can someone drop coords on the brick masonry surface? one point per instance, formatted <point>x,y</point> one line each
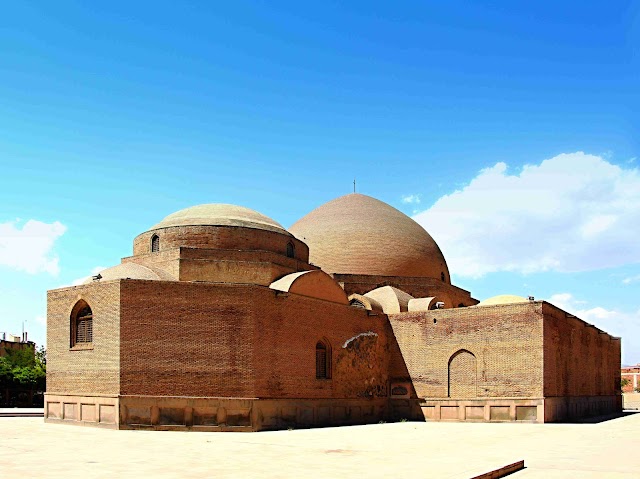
<point>221,238</point>
<point>579,359</point>
<point>85,371</point>
<point>211,347</point>
<point>632,375</point>
<point>505,340</point>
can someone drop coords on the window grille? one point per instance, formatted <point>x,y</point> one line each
<point>82,325</point>
<point>84,330</point>
<point>155,244</point>
<point>290,250</point>
<point>323,361</point>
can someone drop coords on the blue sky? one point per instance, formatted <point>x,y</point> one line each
<point>471,118</point>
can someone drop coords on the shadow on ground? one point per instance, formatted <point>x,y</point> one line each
<point>599,419</point>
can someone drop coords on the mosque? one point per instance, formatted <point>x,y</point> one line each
<point>223,320</point>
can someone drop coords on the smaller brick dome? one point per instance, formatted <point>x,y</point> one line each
<point>220,227</point>
<point>219,214</point>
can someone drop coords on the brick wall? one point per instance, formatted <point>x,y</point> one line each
<point>220,237</point>
<point>579,359</point>
<point>167,260</point>
<point>506,341</point>
<point>195,339</point>
<point>287,330</point>
<point>187,339</point>
<point>87,371</point>
<point>632,374</point>
<point>12,345</point>
<point>258,266</point>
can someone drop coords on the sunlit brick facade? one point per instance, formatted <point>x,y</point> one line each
<point>224,320</point>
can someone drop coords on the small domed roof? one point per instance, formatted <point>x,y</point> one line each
<point>130,271</point>
<point>219,214</point>
<point>357,234</point>
<point>503,299</point>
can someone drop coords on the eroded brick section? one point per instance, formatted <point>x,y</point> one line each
<point>287,330</point>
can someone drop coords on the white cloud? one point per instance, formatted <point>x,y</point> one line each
<point>631,279</point>
<point>565,300</point>
<point>623,324</point>
<point>411,199</point>
<point>573,212</point>
<point>28,247</point>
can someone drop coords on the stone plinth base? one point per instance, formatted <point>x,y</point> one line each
<point>472,410</point>
<point>100,411</point>
<point>551,409</point>
<point>574,408</point>
<point>211,414</point>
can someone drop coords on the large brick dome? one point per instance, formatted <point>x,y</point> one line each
<point>357,234</point>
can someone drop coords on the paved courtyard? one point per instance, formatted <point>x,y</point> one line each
<point>609,449</point>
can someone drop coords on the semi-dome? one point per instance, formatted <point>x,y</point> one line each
<point>219,214</point>
<point>130,271</point>
<point>357,234</point>
<point>503,299</point>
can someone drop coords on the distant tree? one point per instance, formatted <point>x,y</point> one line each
<point>624,382</point>
<point>41,357</point>
<point>22,358</point>
<point>6,372</point>
<point>24,368</point>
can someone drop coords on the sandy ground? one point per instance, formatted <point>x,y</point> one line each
<point>608,449</point>
<point>631,400</point>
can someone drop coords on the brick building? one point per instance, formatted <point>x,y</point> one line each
<point>10,341</point>
<point>632,375</point>
<point>224,320</point>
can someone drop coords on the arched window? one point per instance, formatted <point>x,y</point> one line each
<point>442,276</point>
<point>81,324</point>
<point>155,243</point>
<point>323,360</point>
<point>291,250</point>
<point>462,375</point>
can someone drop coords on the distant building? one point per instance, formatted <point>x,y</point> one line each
<point>632,374</point>
<point>224,320</point>
<point>10,341</point>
